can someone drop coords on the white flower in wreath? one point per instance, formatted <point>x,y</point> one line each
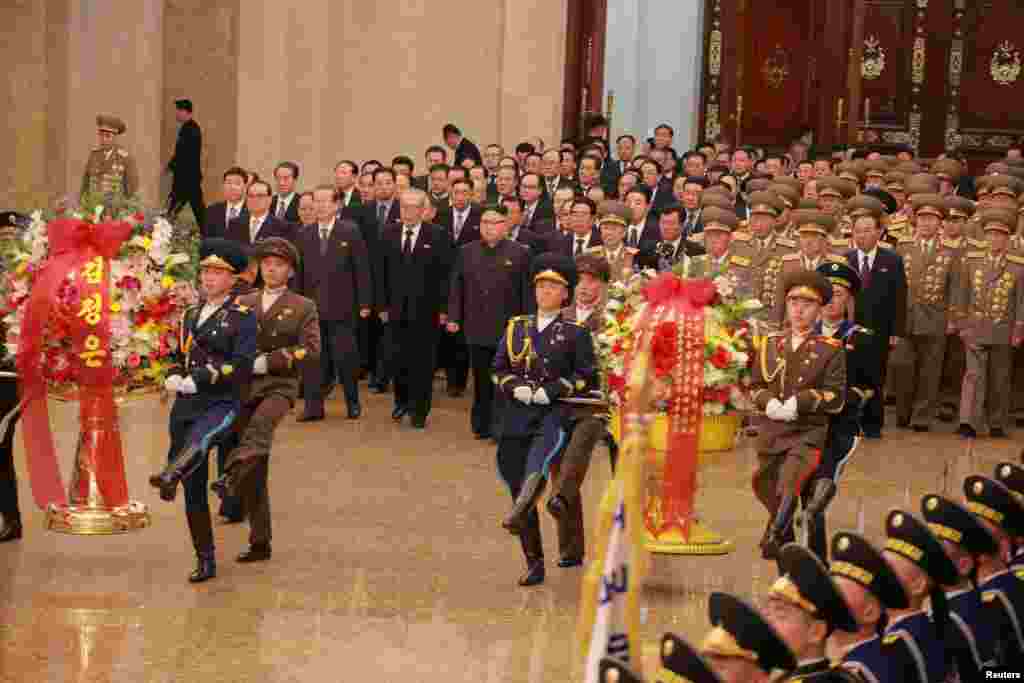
<point>726,285</point>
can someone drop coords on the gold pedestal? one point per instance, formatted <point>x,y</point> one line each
<point>97,521</point>
<point>718,434</point>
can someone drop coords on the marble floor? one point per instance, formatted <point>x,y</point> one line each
<point>389,562</point>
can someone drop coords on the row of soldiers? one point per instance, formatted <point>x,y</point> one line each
<point>942,599</point>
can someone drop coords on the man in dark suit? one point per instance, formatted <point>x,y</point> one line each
<point>412,294</point>
<point>346,176</point>
<point>464,148</point>
<point>516,232</point>
<point>551,180</point>
<point>376,215</point>
<point>334,272</point>
<point>672,247</point>
<point>881,304</point>
<point>285,204</point>
<point>260,224</point>
<point>462,223</point>
<point>582,235</point>
<point>186,166</point>
<point>536,206</point>
<point>434,155</point>
<point>490,284</point>
<point>643,232</point>
<point>219,214</point>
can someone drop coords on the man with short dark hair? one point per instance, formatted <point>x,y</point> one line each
<point>663,136</point>
<point>438,184</point>
<point>434,155</point>
<point>285,204</point>
<point>463,147</point>
<point>345,177</point>
<point>187,185</point>
<point>220,214</point>
<point>260,224</point>
<point>403,165</point>
<point>625,148</point>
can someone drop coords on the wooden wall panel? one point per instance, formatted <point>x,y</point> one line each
<point>887,63</point>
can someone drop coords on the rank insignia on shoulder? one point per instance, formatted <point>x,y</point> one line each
<point>739,260</point>
<point>595,250</point>
<point>1019,573</point>
<point>1013,258</point>
<point>242,308</point>
<point>890,639</point>
<point>831,341</point>
<point>975,254</point>
<point>226,369</point>
<point>988,596</point>
<point>791,257</point>
<point>835,258</point>
<point>300,354</point>
<point>782,241</point>
<point>980,244</point>
<point>699,237</point>
<point>906,239</point>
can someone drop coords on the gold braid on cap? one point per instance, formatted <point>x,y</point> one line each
<point>613,218</point>
<point>720,642</point>
<point>804,291</point>
<point>785,589</point>
<point>551,275</point>
<point>986,512</point>
<point>214,261</point>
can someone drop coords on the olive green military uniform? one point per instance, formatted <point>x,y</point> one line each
<point>765,253</point>
<point>811,222</point>
<point>731,264</point>
<point>110,169</point>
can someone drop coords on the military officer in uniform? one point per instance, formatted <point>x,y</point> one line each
<point>742,647</point>
<point>110,169</point>
<point>722,257</point>
<point>541,358</point>
<point>833,194</point>
<point>766,247</point>
<point>614,670</point>
<point>216,348</point>
<point>613,219</point>
<point>970,638</point>
<point>805,607</point>
<point>932,270</point>
<point>915,637</point>
<point>680,661</point>
<point>799,381</point>
<point>870,588</point>
<point>288,332</point>
<point>990,311</point>
<point>1012,477</point>
<point>789,196</point>
<point>813,228</point>
<point>1002,591</point>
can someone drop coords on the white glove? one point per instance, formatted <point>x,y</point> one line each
<point>187,386</point>
<point>772,409</point>
<point>523,394</point>
<point>788,410</point>
<point>172,384</point>
<point>540,397</point>
<point>259,366</point>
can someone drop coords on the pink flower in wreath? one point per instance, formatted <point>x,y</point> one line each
<point>134,360</point>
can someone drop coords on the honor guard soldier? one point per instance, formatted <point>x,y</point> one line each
<point>288,332</point>
<point>805,607</point>
<point>216,348</point>
<point>741,646</point>
<point>1002,591</point>
<point>813,228</point>
<point>932,270</point>
<point>799,382</point>
<point>541,358</point>
<point>970,637</point>
<point>766,247</point>
<point>614,670</point>
<point>680,661</point>
<point>870,588</point>
<point>1012,477</point>
<point>722,257</point>
<point>110,169</point>
<point>990,312</point>
<point>613,219</point>
<point>915,637</point>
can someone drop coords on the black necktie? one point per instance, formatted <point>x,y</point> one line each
<point>631,242</point>
<point>407,244</point>
<point>381,213</point>
<point>579,246</point>
<point>324,236</point>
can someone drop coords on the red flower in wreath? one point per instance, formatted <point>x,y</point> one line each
<point>720,358</point>
<point>664,348</point>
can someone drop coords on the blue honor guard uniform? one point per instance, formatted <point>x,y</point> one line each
<point>217,345</point>
<point>1012,477</point>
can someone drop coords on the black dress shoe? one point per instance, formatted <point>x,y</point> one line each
<point>313,417</point>
<point>456,392</point>
<point>481,436</point>
<point>419,422</point>
<point>255,553</point>
<point>11,531</point>
<point>534,573</point>
<point>904,423</point>
<point>921,428</point>
<point>206,569</point>
<point>354,410</point>
<point>997,433</point>
<point>398,413</point>
<point>569,562</point>
<point>872,435</point>
<point>967,431</point>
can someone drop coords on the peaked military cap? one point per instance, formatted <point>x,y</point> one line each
<point>806,583</point>
<point>765,202</point>
<point>990,500</point>
<point>933,204</point>
<point>908,167</point>
<point>865,205</point>
<point>757,184</point>
<point>183,104</point>
<point>594,265</point>
<point>959,206</point>
<point>857,560</point>
<point>738,630</point>
<point>836,187</point>
<point>276,246</point>
<point>841,274</point>
<point>722,220</point>
<point>679,659</point>
<point>789,180</point>
<point>787,194</point>
<point>952,522</point>
<point>852,171</point>
<point>111,124</point>
<point>614,670</point>
<point>1012,477</point>
<point>998,218</point>
<point>1000,183</point>
<point>611,211</point>
<point>717,198</point>
<point>814,220</point>
<point>889,203</point>
<point>948,169</point>
<point>217,252</point>
<point>911,539</point>
<point>554,268</point>
<point>895,180</point>
<point>876,168</point>
<point>808,204</point>
<point>921,183</point>
<point>808,284</point>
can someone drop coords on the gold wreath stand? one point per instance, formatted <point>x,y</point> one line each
<point>717,434</point>
<point>88,515</point>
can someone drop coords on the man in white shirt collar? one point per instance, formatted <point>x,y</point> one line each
<point>638,199</point>
<point>286,173</point>
<point>234,194</point>
<point>581,225</point>
<point>345,174</point>
<point>258,203</point>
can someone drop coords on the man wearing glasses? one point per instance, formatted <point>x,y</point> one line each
<point>260,223</point>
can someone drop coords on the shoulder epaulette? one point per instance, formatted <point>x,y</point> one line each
<point>898,218</point>
<point>242,308</point>
<point>975,254</point>
<point>835,258</point>
<point>572,322</point>
<point>906,239</point>
<point>785,242</point>
<point>739,260</point>
<point>839,241</point>
<point>699,257</point>
<point>742,236</point>
<point>885,245</point>
<point>988,596</point>
<point>980,244</point>
<point>595,250</point>
<point>122,152</point>
<point>791,257</point>
<point>1014,258</point>
<point>949,244</point>
<point>699,237</point>
<point>520,317</point>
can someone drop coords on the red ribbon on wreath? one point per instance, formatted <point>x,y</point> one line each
<point>81,251</point>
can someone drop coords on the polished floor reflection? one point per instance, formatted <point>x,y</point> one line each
<point>389,562</point>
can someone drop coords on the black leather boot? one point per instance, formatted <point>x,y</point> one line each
<point>206,568</point>
<point>255,553</point>
<point>526,503</point>
<point>533,551</point>
<point>200,526</point>
<point>11,530</point>
<point>780,527</point>
<point>187,462</point>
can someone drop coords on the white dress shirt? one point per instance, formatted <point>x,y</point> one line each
<point>254,226</point>
<point>870,257</point>
<point>282,203</point>
<point>415,235</point>
<point>543,320</point>
<point>270,296</point>
<point>209,308</point>
<point>236,208</point>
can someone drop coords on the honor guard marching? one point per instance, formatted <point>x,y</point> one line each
<point>1012,477</point>
<point>932,267</point>
<point>742,647</point>
<point>805,607</point>
<point>1002,591</point>
<point>870,588</point>
<point>216,348</point>
<point>541,358</point>
<point>110,169</point>
<point>990,318</point>
<point>288,333</point>
<point>970,636</point>
<point>799,381</point>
